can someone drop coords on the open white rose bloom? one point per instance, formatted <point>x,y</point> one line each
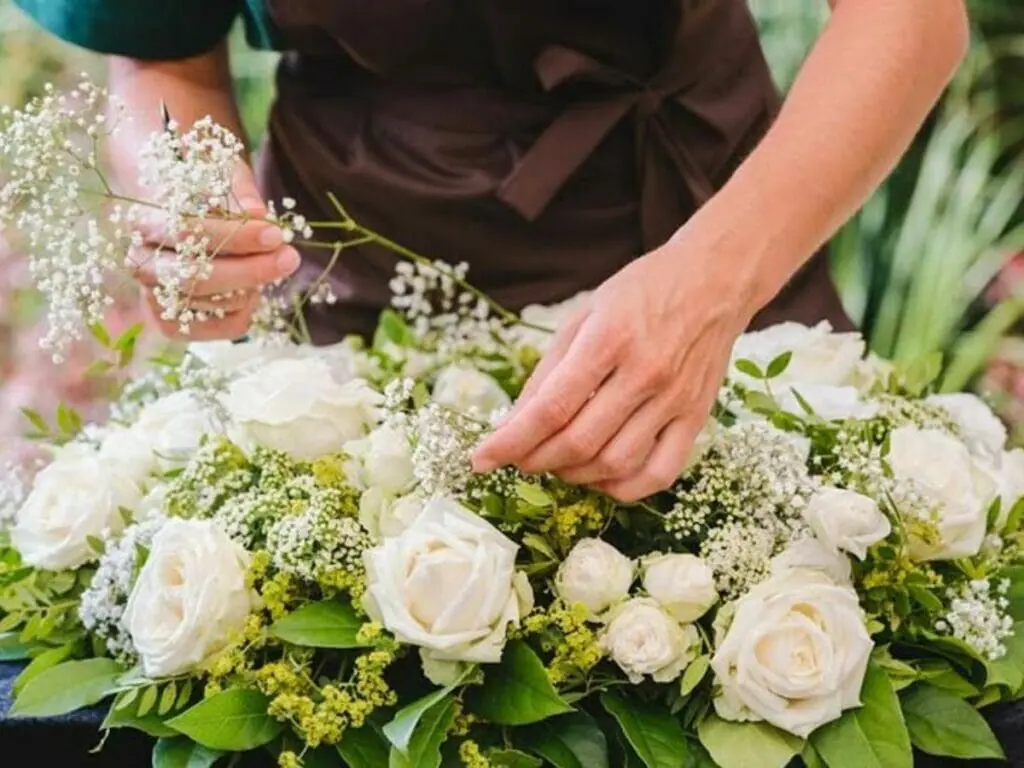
<point>277,546</point>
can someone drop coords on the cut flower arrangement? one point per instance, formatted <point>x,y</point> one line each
<point>276,546</point>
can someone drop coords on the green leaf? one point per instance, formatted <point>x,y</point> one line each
<point>922,372</point>
<point>183,753</point>
<point>327,624</point>
<point>36,420</point>
<point>400,730</point>
<point>739,745</point>
<point>779,365</point>
<point>568,741</point>
<point>123,717</point>
<point>96,544</point>
<point>533,494</point>
<point>750,368</point>
<point>925,598</point>
<point>873,736</point>
<point>148,700</point>
<point>48,658</point>
<point>1008,670</point>
<point>392,328</point>
<point>942,724</point>
<point>363,747</point>
<point>424,749</point>
<point>694,674</point>
<point>656,737</point>
<point>167,699</point>
<point>517,691</point>
<point>234,720</point>
<point>512,758</point>
<point>12,648</point>
<point>811,758</point>
<point>66,687</point>
<point>99,332</point>
<point>68,420</point>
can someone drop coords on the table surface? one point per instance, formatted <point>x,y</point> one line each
<point>66,741</point>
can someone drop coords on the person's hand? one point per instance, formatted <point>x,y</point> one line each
<point>629,380</point>
<point>250,255</point>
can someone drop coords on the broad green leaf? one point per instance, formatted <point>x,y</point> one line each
<point>36,420</point>
<point>234,720</point>
<point>424,749</point>
<point>533,494</point>
<point>517,691</point>
<point>942,724</point>
<point>183,753</point>
<point>66,687</point>
<point>48,658</point>
<point>694,674</point>
<point>568,741</point>
<point>750,368</point>
<point>512,758</point>
<point>739,745</point>
<point>925,598</point>
<point>399,731</point>
<point>99,332</point>
<point>778,366</point>
<point>12,648</point>
<point>124,717</point>
<point>327,624</point>
<point>872,736</point>
<point>656,737</point>
<point>363,747</point>
<point>811,757</point>
<point>1008,670</point>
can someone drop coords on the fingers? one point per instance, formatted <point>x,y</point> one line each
<point>220,304</point>
<point>589,360</point>
<point>223,236</point>
<point>662,467</point>
<point>598,421</point>
<point>233,325</point>
<point>238,273</point>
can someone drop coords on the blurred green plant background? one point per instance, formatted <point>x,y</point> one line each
<point>932,264</point>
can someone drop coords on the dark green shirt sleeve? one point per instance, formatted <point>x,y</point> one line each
<point>140,29</point>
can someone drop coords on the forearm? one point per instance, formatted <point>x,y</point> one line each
<point>867,86</point>
<point>191,88</point>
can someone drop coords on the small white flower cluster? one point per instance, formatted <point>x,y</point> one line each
<point>444,443</point>
<point>978,616</point>
<point>14,489</point>
<point>740,555</point>
<point>103,603</point>
<point>315,543</point>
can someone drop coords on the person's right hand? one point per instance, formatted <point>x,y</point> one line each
<point>250,255</point>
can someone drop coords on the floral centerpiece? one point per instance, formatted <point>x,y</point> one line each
<point>277,546</point>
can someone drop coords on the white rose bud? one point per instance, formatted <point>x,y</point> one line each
<point>846,520</point>
<point>795,654</point>
<point>828,402</point>
<point>957,489</point>
<point>811,554</point>
<point>819,356</point>
<point>682,584</point>
<point>233,358</point>
<point>174,426</point>
<point>979,428</point>
<point>469,391</point>
<point>441,673</point>
<point>644,640</point>
<point>75,497</point>
<point>448,584</point>
<point>296,406</point>
<point>385,516</point>
<point>382,460</point>
<point>596,575</point>
<point>190,600</point>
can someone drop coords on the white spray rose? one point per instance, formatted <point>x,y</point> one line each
<point>643,639</point>
<point>684,585</point>
<point>382,460</point>
<point>596,575</point>
<point>190,599</point>
<point>233,357</point>
<point>811,554</point>
<point>469,391</point>
<point>448,584</point>
<point>846,520</point>
<point>979,428</point>
<point>73,498</point>
<point>296,406</point>
<point>549,316</point>
<point>956,489</point>
<point>827,401</point>
<point>795,654</point>
<point>819,356</point>
<point>130,449</point>
<point>385,516</point>
<point>174,426</point>
<point>1010,481</point>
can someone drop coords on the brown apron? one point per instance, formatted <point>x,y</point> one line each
<point>544,142</point>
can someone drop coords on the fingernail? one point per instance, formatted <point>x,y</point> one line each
<point>252,205</point>
<point>288,261</point>
<point>271,237</point>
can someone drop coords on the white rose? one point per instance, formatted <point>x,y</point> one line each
<point>174,426</point>
<point>233,357</point>
<point>940,469</point>
<point>846,520</point>
<point>296,406</point>
<point>829,402</point>
<point>795,654</point>
<point>1010,480</point>
<point>979,428</point>
<point>382,459</point>
<point>448,584</point>
<point>551,316</point>
<point>385,516</point>
<point>871,372</point>
<point>819,356</point>
<point>643,639</point>
<point>75,497</point>
<point>346,359</point>
<point>596,575</point>
<point>130,449</point>
<point>152,504</point>
<point>811,554</point>
<point>190,599</point>
<point>682,584</point>
<point>469,391</point>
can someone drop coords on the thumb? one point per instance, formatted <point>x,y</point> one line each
<point>245,194</point>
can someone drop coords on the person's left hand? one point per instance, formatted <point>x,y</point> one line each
<point>629,380</point>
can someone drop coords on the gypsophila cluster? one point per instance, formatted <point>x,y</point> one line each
<point>978,615</point>
<point>740,554</point>
<point>14,488</point>
<point>103,603</point>
<point>218,471</point>
<point>445,441</point>
<point>314,544</point>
